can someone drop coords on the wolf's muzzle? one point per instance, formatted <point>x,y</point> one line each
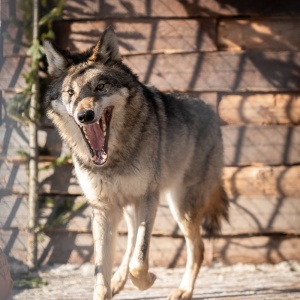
<point>86,116</point>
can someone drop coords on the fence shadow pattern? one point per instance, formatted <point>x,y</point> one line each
<point>178,50</point>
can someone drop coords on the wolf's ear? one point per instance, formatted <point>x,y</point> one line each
<point>57,63</point>
<point>107,49</point>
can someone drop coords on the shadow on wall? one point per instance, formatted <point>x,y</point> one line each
<point>185,58</point>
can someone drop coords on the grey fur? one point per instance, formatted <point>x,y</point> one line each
<point>159,145</point>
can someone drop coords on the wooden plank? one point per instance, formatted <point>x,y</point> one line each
<point>141,36</point>
<point>11,72</point>
<point>263,215</point>
<point>247,214</point>
<point>50,141</point>
<point>244,145</point>
<point>13,178</point>
<point>12,38</point>
<point>201,72</point>
<point>56,207</point>
<point>14,244</point>
<point>77,248</point>
<point>220,71</point>
<point>260,109</point>
<point>169,8</point>
<point>81,220</point>
<point>8,9</point>
<point>15,140</point>
<point>272,145</point>
<point>256,250</point>
<point>14,137</point>
<point>277,181</point>
<point>59,180</point>
<point>13,211</point>
<point>164,251</point>
<point>259,34</point>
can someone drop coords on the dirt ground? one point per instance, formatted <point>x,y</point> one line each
<point>281,281</point>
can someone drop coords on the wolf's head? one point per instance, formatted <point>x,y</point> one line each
<point>87,95</point>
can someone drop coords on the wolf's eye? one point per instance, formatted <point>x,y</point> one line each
<point>71,92</point>
<point>100,87</point>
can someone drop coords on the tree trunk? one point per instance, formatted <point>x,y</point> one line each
<point>33,157</point>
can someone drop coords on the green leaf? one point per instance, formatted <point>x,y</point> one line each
<point>36,51</point>
<point>50,35</point>
<point>44,3</point>
<point>52,15</point>
<point>29,281</point>
<point>60,6</point>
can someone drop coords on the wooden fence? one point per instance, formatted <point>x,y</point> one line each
<point>242,57</point>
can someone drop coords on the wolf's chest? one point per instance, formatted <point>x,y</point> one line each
<point>122,190</point>
<point>90,185</point>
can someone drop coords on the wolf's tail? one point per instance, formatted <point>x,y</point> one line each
<point>216,211</point>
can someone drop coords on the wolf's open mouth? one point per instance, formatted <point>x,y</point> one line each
<point>96,136</point>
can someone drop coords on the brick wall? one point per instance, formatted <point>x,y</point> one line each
<point>243,58</point>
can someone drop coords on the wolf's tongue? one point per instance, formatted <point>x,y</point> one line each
<point>96,136</point>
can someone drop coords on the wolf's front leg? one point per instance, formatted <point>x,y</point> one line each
<point>138,267</point>
<point>121,275</point>
<point>104,226</point>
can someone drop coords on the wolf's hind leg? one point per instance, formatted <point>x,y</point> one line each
<point>120,276</point>
<point>189,223</point>
<point>195,252</point>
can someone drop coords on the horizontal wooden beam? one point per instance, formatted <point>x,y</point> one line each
<point>268,145</point>
<point>267,108</point>
<point>142,36</point>
<point>175,9</point>
<point>11,72</point>
<point>277,181</point>
<point>257,180</point>
<point>219,71</point>
<point>13,39</point>
<point>264,249</point>
<point>78,248</point>
<point>244,145</point>
<point>261,34</point>
<point>199,72</point>
<point>256,215</point>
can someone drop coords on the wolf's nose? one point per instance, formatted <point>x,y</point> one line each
<point>86,116</point>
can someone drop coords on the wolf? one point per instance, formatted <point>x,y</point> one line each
<point>131,146</point>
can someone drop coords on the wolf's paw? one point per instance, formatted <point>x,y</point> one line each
<point>118,281</point>
<point>101,293</point>
<point>143,282</point>
<point>180,294</point>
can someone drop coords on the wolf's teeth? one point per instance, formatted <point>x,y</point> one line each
<point>97,122</point>
<point>103,124</point>
<point>85,133</point>
<point>103,154</point>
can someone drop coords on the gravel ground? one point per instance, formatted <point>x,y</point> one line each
<point>281,281</point>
